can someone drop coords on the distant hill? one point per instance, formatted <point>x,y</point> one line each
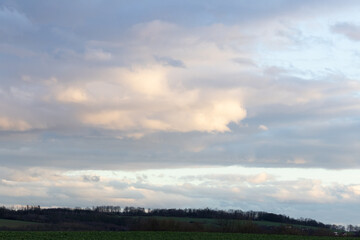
<point>135,219</point>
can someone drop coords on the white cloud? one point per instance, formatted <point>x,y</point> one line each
<point>263,127</point>
<point>212,117</point>
<point>260,178</point>
<point>135,135</point>
<point>111,119</point>
<point>355,189</point>
<point>146,100</point>
<point>9,124</point>
<point>149,81</point>
<point>72,95</point>
<point>97,55</point>
<point>297,161</point>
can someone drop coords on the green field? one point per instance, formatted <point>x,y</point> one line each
<point>15,223</point>
<point>149,236</point>
<point>214,222</point>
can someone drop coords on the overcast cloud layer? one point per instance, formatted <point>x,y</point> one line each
<point>164,86</point>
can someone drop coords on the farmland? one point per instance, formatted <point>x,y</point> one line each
<point>10,224</point>
<point>133,221</point>
<point>214,223</point>
<point>14,235</point>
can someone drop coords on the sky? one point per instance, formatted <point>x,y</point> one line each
<point>251,105</point>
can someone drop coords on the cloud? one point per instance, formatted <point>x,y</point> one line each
<point>167,61</point>
<point>88,178</point>
<point>147,100</point>
<point>7,124</point>
<point>297,161</point>
<point>148,81</point>
<point>109,120</point>
<point>211,116</point>
<point>263,127</point>
<point>135,98</point>
<point>13,22</point>
<point>72,95</point>
<point>245,61</point>
<point>355,189</point>
<point>260,178</point>
<point>349,30</point>
<point>97,55</point>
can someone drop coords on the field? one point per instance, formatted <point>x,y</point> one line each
<point>213,222</point>
<point>149,236</point>
<point>14,223</point>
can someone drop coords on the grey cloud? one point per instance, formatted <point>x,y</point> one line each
<point>260,179</point>
<point>88,178</point>
<point>349,30</point>
<point>123,184</point>
<point>203,13</point>
<point>101,15</point>
<point>13,23</point>
<point>297,137</point>
<point>167,61</point>
<point>245,61</point>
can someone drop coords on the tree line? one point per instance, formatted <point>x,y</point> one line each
<point>212,213</point>
<point>137,218</point>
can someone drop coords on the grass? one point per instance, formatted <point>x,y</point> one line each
<point>150,236</point>
<point>14,223</point>
<point>214,222</point>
